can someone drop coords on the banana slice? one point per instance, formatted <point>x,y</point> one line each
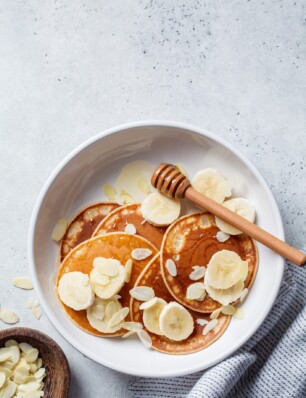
<point>107,277</point>
<point>160,210</point>
<point>212,184</point>
<point>75,290</point>
<point>151,316</point>
<point>100,314</point>
<point>240,206</point>
<point>225,296</point>
<point>175,322</point>
<point>225,269</point>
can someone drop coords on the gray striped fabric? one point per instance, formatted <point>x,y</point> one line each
<point>271,364</point>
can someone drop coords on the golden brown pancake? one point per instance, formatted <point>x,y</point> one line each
<point>131,214</point>
<point>83,225</point>
<point>151,276</point>
<point>115,245</point>
<point>190,241</point>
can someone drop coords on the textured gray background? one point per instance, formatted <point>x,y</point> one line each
<point>69,69</point>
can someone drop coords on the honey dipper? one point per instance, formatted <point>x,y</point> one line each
<point>170,181</point>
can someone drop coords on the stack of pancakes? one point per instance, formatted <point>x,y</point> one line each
<point>99,231</point>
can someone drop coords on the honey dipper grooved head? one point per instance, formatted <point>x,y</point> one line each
<point>170,181</point>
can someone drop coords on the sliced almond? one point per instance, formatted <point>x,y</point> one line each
<point>196,291</point>
<point>32,355</point>
<point>197,273</point>
<point>33,368</point>
<point>128,334</point>
<point>23,282</point>
<point>128,270</point>
<point>110,269</point>
<point>99,311</point>
<point>109,191</point>
<point>143,186</point>
<point>21,375</point>
<point>111,309</point>
<point>145,338</point>
<point>30,303</point>
<point>33,394</point>
<point>239,314</point>
<point>141,254</point>
<point>171,267</point>
<point>9,389</point>
<point>202,322</point>
<point>40,373</point>
<point>25,347</point>
<point>35,303</point>
<point>5,354</point>
<point>228,309</point>
<point>210,326</point>
<point>132,326</point>
<point>34,386</point>
<point>39,363</point>
<point>130,229</point>
<point>2,378</point>
<point>244,293</point>
<point>59,229</point>
<point>8,316</point>
<point>11,343</point>
<point>216,313</point>
<point>148,304</point>
<point>15,354</point>
<point>222,236</point>
<point>119,316</point>
<point>142,293</point>
<point>36,313</point>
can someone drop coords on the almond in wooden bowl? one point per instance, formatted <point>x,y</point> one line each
<point>57,373</point>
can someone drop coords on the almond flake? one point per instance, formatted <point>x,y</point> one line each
<point>32,355</point>
<point>210,326</point>
<point>15,354</point>
<point>222,236</point>
<point>130,229</point>
<point>33,394</point>
<point>244,293</point>
<point>40,373</point>
<point>128,334</point>
<point>34,386</point>
<point>171,267</point>
<point>216,313</point>
<point>145,338</point>
<point>228,309</point>
<point>132,326</point>
<point>119,316</point>
<point>11,343</point>
<point>111,309</point>
<point>109,191</point>
<point>35,303</point>
<point>8,316</point>
<point>197,273</point>
<point>141,254</point>
<point>22,282</point>
<point>30,303</point>
<point>143,186</point>
<point>25,347</point>
<point>59,229</point>
<point>202,322</point>
<point>110,269</point>
<point>2,378</point>
<point>128,270</point>
<point>239,314</point>
<point>196,291</point>
<point>9,389</point>
<point>99,311</point>
<point>142,293</point>
<point>5,354</point>
<point>148,304</point>
<point>36,313</point>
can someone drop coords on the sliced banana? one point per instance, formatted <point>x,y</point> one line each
<point>100,314</point>
<point>225,296</point>
<point>175,322</point>
<point>240,206</point>
<point>160,210</point>
<point>151,316</point>
<point>211,183</point>
<point>107,277</point>
<point>75,290</point>
<point>225,269</point>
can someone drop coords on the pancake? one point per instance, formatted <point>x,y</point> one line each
<point>131,214</point>
<point>83,225</point>
<point>151,276</point>
<point>190,241</point>
<point>114,245</point>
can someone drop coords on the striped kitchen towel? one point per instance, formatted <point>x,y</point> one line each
<point>271,364</point>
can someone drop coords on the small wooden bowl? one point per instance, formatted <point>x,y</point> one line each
<point>57,379</point>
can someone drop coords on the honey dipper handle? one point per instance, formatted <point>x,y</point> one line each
<point>249,228</point>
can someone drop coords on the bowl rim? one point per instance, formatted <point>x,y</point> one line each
<point>111,131</point>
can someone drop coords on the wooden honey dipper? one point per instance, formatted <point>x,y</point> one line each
<point>170,181</point>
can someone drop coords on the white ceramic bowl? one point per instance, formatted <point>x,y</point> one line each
<point>78,180</point>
